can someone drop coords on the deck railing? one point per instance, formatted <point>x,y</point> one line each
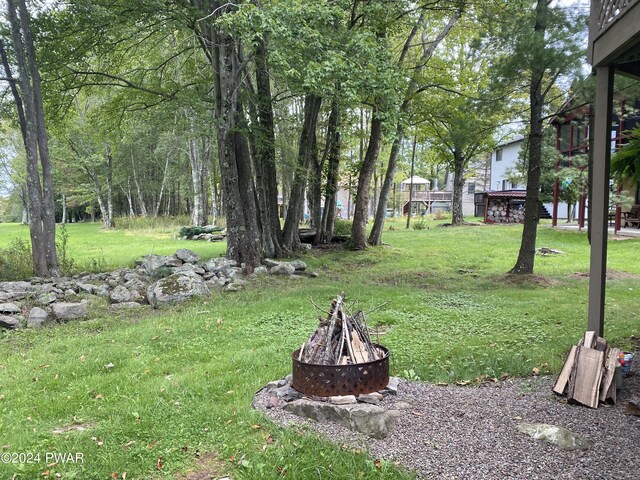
<point>604,13</point>
<point>428,196</point>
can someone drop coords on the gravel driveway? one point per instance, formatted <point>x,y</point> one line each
<point>456,432</point>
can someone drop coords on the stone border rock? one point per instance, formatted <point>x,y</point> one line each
<point>362,413</point>
<point>156,280</point>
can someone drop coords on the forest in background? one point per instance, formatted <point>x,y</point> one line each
<point>238,113</point>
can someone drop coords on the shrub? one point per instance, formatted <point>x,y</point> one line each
<point>160,222</point>
<point>15,260</point>
<point>65,262</point>
<point>420,224</point>
<point>342,228</point>
<point>439,215</point>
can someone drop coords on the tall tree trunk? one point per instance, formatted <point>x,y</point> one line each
<point>306,152</point>
<point>196,164</point>
<point>141,202</point>
<point>526,256</point>
<point>109,221</point>
<point>363,194</point>
<point>324,233</point>
<point>48,198</point>
<point>458,185</point>
<point>64,209</point>
<point>265,159</point>
<point>238,190</point>
<point>165,174</point>
<point>24,99</point>
<point>413,164</point>
<point>375,237</point>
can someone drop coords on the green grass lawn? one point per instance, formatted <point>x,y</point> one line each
<point>183,378</point>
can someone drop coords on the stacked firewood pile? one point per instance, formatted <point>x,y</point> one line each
<point>500,211</point>
<point>340,339</point>
<point>588,375</point>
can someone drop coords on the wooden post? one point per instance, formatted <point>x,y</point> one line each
<point>600,197</point>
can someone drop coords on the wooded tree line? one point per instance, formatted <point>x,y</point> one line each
<point>242,110</point>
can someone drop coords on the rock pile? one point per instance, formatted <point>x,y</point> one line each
<point>367,414</point>
<point>156,280</point>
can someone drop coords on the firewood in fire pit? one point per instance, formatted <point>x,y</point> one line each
<point>340,339</point>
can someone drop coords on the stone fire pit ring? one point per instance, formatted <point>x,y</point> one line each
<point>333,380</point>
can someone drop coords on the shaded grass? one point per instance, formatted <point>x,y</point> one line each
<point>183,378</point>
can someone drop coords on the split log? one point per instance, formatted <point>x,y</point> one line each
<point>563,378</point>
<point>584,385</point>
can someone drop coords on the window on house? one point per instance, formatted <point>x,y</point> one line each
<point>499,155</point>
<point>504,184</point>
<point>471,188</point>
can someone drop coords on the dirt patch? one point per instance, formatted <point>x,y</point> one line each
<point>527,280</point>
<point>76,427</point>
<point>207,467</point>
<point>611,275</point>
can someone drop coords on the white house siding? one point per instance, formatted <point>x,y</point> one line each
<point>500,168</point>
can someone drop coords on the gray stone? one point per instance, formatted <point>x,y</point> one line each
<point>282,269</point>
<point>276,384</point>
<point>189,267</point>
<point>371,420</point>
<point>15,290</point>
<point>152,263</point>
<point>176,288</point>
<point>392,386</point>
<point>9,308</point>
<point>102,291</point>
<point>9,322</point>
<point>233,287</point>
<point>403,406</point>
<point>47,298</point>
<point>307,274</point>
<point>137,283</point>
<point>306,246</point>
<point>373,398</point>
<point>208,275</point>
<point>261,270</point>
<point>267,262</point>
<point>299,265</point>
<point>64,311</point>
<point>37,317</point>
<point>555,435</point>
<point>187,256</point>
<point>120,294</point>
<point>287,393</point>
<point>343,399</point>
<point>86,287</point>
<point>216,265</point>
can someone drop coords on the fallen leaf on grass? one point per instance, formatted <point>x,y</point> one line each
<point>256,426</point>
<point>99,396</point>
<point>269,439</point>
<point>536,372</point>
<point>152,444</point>
<point>377,463</point>
<point>128,444</point>
<point>159,463</point>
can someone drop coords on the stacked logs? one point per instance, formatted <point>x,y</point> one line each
<point>500,211</point>
<point>340,339</point>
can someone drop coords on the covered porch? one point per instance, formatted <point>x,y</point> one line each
<point>614,47</point>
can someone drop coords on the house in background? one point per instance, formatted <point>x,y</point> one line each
<point>504,159</point>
